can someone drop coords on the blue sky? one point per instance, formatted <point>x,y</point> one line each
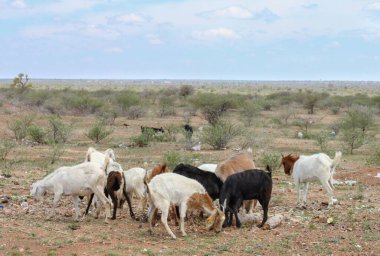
<point>198,39</point>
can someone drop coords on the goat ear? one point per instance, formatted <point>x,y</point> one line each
<point>106,162</point>
<point>224,206</point>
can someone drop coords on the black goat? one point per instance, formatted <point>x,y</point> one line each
<point>209,180</point>
<point>188,129</point>
<point>145,129</point>
<point>246,185</point>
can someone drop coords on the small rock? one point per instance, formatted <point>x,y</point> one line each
<point>24,204</point>
<point>330,220</point>
<point>4,199</point>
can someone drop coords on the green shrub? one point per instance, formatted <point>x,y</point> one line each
<point>127,99</point>
<point>6,147</point>
<point>58,131</point>
<point>322,138</point>
<point>20,127</point>
<point>37,134</point>
<point>166,106</point>
<point>135,112</point>
<point>56,152</point>
<point>98,132</point>
<point>249,112</point>
<point>141,140</point>
<point>173,158</point>
<point>186,90</point>
<point>271,159</point>
<point>83,103</point>
<point>355,125</point>
<point>374,159</point>
<point>213,106</point>
<point>219,135</point>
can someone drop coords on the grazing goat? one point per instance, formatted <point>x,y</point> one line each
<point>237,163</point>
<point>188,129</point>
<point>208,167</point>
<point>80,180</point>
<point>115,186</point>
<point>247,185</point>
<point>146,129</point>
<point>209,180</point>
<point>306,169</point>
<point>134,182</point>
<point>172,188</point>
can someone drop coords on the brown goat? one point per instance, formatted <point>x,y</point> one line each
<point>239,162</point>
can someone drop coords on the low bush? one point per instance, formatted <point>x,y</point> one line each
<point>98,132</point>
<point>135,112</point>
<point>141,140</point>
<point>58,131</point>
<point>20,126</point>
<point>270,159</point>
<point>219,135</point>
<point>6,147</point>
<point>37,134</point>
<point>173,158</point>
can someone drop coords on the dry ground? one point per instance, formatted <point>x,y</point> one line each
<point>354,231</point>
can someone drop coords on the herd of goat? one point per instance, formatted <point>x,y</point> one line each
<point>217,190</point>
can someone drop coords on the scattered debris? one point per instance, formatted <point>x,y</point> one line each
<point>4,199</point>
<point>377,175</point>
<point>196,147</point>
<point>346,182</point>
<point>330,221</point>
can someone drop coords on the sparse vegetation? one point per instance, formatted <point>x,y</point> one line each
<point>98,132</point>
<point>219,135</point>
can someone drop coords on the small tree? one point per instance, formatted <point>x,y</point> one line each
<point>6,148</point>
<point>322,139</point>
<point>355,126</point>
<point>212,106</point>
<point>311,100</point>
<point>19,127</point>
<point>98,132</point>
<point>186,90</point>
<point>21,81</point>
<point>219,135</point>
<point>59,131</point>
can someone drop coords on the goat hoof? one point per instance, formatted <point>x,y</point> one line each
<point>113,218</point>
<point>260,226</point>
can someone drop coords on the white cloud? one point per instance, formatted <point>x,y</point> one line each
<point>218,33</point>
<point>374,6</point>
<point>19,4</point>
<point>114,50</point>
<point>334,44</point>
<point>234,12</point>
<point>131,18</point>
<point>154,39</point>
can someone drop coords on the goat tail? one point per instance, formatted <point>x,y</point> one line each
<point>336,160</point>
<point>90,150</point>
<point>146,182</point>
<point>269,170</point>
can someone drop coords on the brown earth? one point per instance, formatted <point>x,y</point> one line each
<point>355,229</point>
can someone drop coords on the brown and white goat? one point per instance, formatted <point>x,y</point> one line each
<point>311,168</point>
<point>172,188</point>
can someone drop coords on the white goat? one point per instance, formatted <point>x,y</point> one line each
<point>134,183</point>
<point>172,188</point>
<point>208,167</point>
<point>93,155</point>
<point>78,180</point>
<point>307,169</point>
